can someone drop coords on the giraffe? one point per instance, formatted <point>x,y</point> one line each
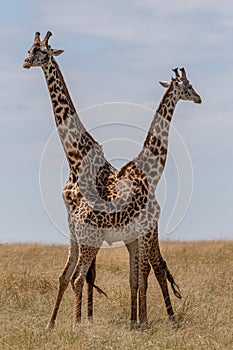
<point>76,142</point>
<point>106,204</point>
<point>152,159</point>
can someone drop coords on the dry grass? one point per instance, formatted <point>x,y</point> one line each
<point>28,284</point>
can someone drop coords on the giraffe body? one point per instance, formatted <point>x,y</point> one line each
<point>104,204</point>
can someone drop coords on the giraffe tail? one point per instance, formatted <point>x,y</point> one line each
<point>100,291</point>
<point>175,287</point>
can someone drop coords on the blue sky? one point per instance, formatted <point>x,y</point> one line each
<point>115,54</point>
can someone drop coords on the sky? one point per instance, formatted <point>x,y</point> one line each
<point>115,53</point>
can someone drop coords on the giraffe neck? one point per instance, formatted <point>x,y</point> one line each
<point>75,139</point>
<point>154,152</point>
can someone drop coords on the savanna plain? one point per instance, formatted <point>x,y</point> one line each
<point>28,288</point>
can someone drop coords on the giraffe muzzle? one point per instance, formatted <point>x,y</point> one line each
<point>26,64</point>
<point>198,100</point>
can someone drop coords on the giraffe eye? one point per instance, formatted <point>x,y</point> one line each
<point>35,50</point>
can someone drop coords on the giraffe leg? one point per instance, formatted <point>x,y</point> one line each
<point>86,257</point>
<point>91,275</point>
<point>143,272</point>
<point>161,272</point>
<point>133,255</point>
<point>133,280</point>
<point>64,279</point>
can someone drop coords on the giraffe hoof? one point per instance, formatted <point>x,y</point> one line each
<point>144,326</point>
<point>175,323</point>
<point>172,318</point>
<point>50,326</point>
<point>134,325</point>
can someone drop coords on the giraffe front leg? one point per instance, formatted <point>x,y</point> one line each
<point>64,279</point>
<point>144,269</point>
<point>133,280</point>
<point>143,321</point>
<point>86,257</point>
<point>134,276</point>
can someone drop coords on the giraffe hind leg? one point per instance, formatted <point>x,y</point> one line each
<point>160,271</point>
<point>163,274</point>
<point>90,279</point>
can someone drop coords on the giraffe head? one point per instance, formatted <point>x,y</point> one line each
<point>181,87</point>
<point>41,52</point>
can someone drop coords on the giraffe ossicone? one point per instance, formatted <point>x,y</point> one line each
<point>105,204</point>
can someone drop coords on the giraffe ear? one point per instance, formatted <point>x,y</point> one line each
<point>164,84</point>
<point>56,52</point>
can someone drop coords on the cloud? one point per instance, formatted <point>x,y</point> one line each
<point>146,22</point>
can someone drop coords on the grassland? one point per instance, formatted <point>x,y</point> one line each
<point>28,285</point>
